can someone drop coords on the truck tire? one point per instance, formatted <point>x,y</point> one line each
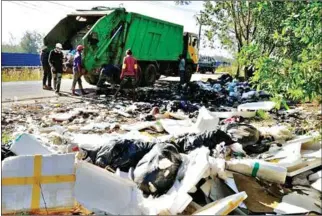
<point>202,71</point>
<point>188,73</point>
<point>150,75</point>
<point>92,79</point>
<point>140,76</point>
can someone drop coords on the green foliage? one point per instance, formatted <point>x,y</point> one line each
<point>5,138</point>
<point>31,42</point>
<point>263,115</point>
<point>293,69</point>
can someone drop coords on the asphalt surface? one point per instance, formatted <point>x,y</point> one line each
<point>28,90</point>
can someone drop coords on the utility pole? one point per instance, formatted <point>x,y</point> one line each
<point>199,36</point>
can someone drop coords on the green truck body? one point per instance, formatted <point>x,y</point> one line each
<point>108,33</point>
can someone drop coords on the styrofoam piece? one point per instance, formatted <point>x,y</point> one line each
<point>223,206</point>
<point>176,127</point>
<point>315,176</point>
<point>301,139</point>
<point>264,105</point>
<point>289,155</point>
<point>261,169</point>
<point>20,187</point>
<point>180,203</point>
<point>197,167</point>
<point>96,188</point>
<point>244,114</point>
<point>312,154</point>
<point>217,167</point>
<point>317,185</point>
<point>296,203</point>
<point>206,121</point>
<point>27,144</point>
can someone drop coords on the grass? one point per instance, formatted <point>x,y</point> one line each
<point>25,74</point>
<point>5,138</point>
<point>228,69</point>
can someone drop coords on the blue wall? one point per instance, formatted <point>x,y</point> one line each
<point>20,60</point>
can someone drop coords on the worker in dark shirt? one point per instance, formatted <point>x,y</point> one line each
<point>46,68</point>
<point>107,73</point>
<point>55,61</point>
<point>129,73</point>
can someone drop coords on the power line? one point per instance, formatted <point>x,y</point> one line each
<point>170,6</point>
<point>60,4</point>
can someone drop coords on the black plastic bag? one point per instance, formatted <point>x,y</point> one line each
<point>209,139</point>
<point>156,173</point>
<point>122,154</point>
<point>5,153</point>
<point>243,133</point>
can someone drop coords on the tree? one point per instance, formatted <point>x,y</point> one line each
<point>31,42</point>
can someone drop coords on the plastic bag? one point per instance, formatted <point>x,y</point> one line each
<point>243,133</point>
<point>6,153</point>
<point>122,154</point>
<point>209,139</point>
<point>156,173</point>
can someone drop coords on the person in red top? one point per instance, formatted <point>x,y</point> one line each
<point>129,72</point>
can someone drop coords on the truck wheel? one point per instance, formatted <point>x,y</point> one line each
<point>202,71</point>
<point>188,73</point>
<point>91,78</point>
<point>139,80</point>
<point>150,75</point>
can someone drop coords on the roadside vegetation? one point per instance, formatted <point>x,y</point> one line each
<point>277,44</point>
<point>25,74</point>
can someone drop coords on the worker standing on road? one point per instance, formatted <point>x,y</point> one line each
<point>46,69</point>
<point>77,70</point>
<point>55,61</point>
<point>182,69</point>
<point>107,73</point>
<point>129,73</point>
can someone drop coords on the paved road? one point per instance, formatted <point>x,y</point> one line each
<point>15,91</point>
<point>12,91</point>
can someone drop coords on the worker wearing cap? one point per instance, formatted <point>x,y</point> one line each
<point>55,61</point>
<point>77,70</point>
<point>129,72</point>
<point>46,68</point>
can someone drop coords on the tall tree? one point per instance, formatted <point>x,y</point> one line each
<point>31,41</point>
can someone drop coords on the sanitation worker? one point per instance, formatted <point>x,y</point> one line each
<point>77,70</point>
<point>182,69</point>
<point>129,74</point>
<point>107,73</point>
<point>55,61</point>
<point>46,69</point>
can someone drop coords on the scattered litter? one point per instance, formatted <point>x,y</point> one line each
<point>265,105</point>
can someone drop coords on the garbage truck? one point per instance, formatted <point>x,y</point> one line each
<point>106,33</point>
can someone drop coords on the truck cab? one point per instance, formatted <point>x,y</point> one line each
<point>190,44</point>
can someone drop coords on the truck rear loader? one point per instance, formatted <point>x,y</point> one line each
<point>107,33</point>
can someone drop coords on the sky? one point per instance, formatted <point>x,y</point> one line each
<point>42,16</point>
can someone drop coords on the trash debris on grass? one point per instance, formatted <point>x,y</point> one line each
<point>200,150</point>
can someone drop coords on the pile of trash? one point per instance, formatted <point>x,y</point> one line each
<point>163,157</point>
